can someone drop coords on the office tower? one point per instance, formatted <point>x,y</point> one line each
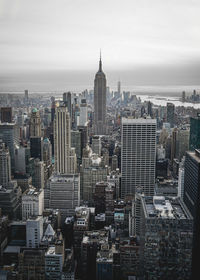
<point>76,143</point>
<point>34,231</point>
<point>83,113</point>
<point>183,96</point>
<point>92,240</point>
<point>171,114</point>
<point>62,142</point>
<point>165,238</point>
<point>32,203</point>
<point>9,134</point>
<point>84,136</point>
<point>119,88</point>
<point>38,174</point>
<point>53,108</point>
<point>63,193</point>
<point>149,109</point>
<point>181,174</point>
<point>138,155</point>
<point>10,200</point>
<point>35,123</point>
<point>5,168</point>
<point>191,197</point>
<point>142,111</point>
<point>114,164</point>
<point>54,261</point>
<point>182,145</point>
<point>100,101</point>
<point>195,133</point>
<point>67,99</point>
<point>26,96</point>
<point>96,145</point>
<point>174,143</point>
<point>35,135</point>
<point>36,147</point>
<point>47,152</point>
<point>32,264</point>
<point>92,172</point>
<point>6,114</point>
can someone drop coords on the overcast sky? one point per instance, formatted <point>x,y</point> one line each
<point>67,35</point>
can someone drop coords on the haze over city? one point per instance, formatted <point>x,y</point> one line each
<point>55,44</point>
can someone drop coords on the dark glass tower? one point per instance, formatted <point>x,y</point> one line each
<point>100,101</point>
<point>195,133</point>
<point>191,198</point>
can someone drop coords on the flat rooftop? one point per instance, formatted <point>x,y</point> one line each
<point>165,208</point>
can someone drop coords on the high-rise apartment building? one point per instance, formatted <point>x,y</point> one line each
<point>138,155</point>
<point>100,101</point>
<point>62,142</point>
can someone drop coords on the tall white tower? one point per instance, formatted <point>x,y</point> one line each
<point>138,155</point>
<point>62,142</point>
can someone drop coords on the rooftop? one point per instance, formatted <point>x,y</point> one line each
<point>165,208</point>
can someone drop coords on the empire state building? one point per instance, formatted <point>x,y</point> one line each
<point>100,101</point>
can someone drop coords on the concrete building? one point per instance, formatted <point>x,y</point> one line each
<point>35,124</point>
<point>54,259</point>
<point>62,142</point>
<point>6,114</point>
<point>100,102</point>
<point>34,231</point>
<point>195,133</point>
<point>138,155</point>
<point>171,114</point>
<point>96,145</point>
<point>191,198</point>
<point>63,193</point>
<point>165,238</point>
<point>32,264</point>
<point>83,119</point>
<point>38,174</point>
<point>92,172</point>
<point>5,167</point>
<point>9,134</point>
<point>32,203</point>
<point>91,244</point>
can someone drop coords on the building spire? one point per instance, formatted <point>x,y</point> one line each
<point>100,63</point>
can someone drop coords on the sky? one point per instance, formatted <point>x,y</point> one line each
<point>142,41</point>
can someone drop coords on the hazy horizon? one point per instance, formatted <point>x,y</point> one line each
<point>54,45</point>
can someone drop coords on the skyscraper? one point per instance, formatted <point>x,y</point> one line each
<point>191,198</point>
<point>62,142</point>
<point>170,113</point>
<point>5,168</point>
<point>195,133</point>
<point>35,124</point>
<point>6,114</point>
<point>35,135</point>
<point>100,101</point>
<point>138,155</point>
